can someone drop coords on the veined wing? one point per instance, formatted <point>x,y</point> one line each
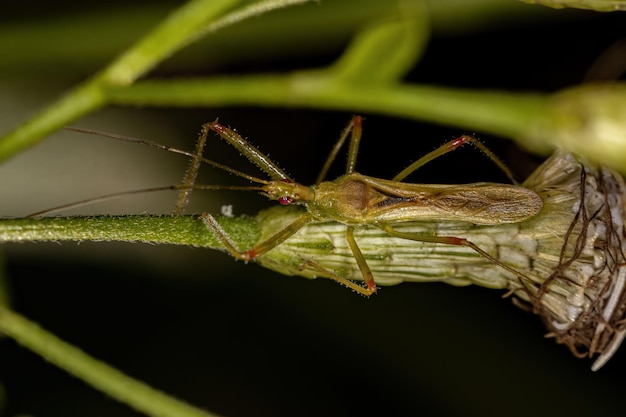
<point>480,203</point>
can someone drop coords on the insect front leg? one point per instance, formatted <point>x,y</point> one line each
<point>285,234</point>
<point>260,248</point>
<point>191,174</point>
<point>253,154</point>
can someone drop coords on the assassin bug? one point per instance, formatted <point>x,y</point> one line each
<point>357,200</point>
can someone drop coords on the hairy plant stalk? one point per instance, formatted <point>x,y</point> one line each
<point>571,254</point>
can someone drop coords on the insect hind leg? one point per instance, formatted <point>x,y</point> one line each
<point>449,147</point>
<point>456,241</point>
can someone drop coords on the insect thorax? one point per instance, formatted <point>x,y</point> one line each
<point>345,200</point>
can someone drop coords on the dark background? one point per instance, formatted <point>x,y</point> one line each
<point>241,341</point>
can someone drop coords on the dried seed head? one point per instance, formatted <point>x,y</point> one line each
<point>582,298</point>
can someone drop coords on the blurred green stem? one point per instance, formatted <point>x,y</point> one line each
<point>506,114</point>
<point>403,24</point>
<point>131,392</point>
<point>173,33</point>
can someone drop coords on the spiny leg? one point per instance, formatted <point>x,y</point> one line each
<point>456,241</point>
<point>260,248</point>
<point>191,174</point>
<point>355,141</point>
<point>326,273</point>
<point>449,147</point>
<point>355,127</point>
<point>285,234</point>
<point>253,154</point>
<point>368,277</point>
<point>355,121</point>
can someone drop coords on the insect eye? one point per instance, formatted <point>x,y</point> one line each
<point>285,200</point>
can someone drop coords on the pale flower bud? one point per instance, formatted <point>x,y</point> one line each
<point>589,120</point>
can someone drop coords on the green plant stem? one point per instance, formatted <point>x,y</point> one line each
<point>247,12</point>
<point>174,32</point>
<point>176,230</point>
<point>109,380</point>
<point>597,5</point>
<point>502,113</point>
<point>198,17</point>
<point>93,42</point>
<point>78,102</point>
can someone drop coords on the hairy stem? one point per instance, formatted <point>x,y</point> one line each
<point>175,230</point>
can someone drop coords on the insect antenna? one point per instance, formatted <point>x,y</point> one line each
<point>185,188</point>
<point>169,149</point>
<point>177,187</point>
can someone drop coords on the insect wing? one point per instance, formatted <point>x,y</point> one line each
<point>480,203</point>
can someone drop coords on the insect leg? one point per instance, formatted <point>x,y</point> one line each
<point>449,147</point>
<point>260,248</point>
<point>457,241</point>
<point>253,154</point>
<point>368,277</point>
<point>326,273</point>
<point>191,174</point>
<point>355,140</point>
<point>283,235</point>
<point>355,123</point>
